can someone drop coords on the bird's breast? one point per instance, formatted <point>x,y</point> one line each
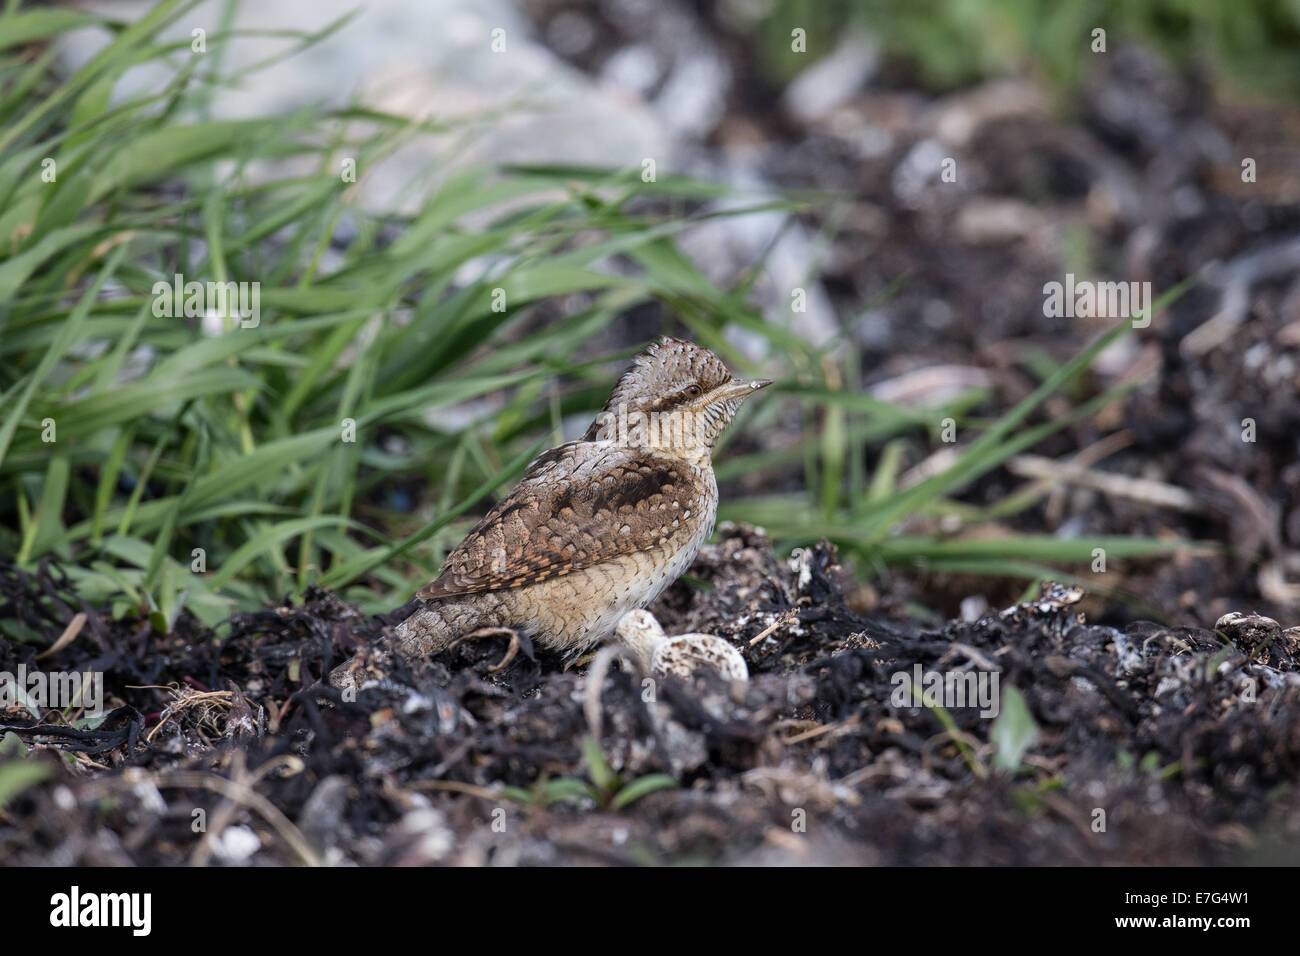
<point>572,612</point>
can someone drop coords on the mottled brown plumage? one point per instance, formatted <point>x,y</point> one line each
<point>575,507</point>
<point>598,526</point>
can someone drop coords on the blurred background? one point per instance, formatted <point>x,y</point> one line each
<point>537,188</point>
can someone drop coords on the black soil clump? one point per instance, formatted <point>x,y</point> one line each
<point>1150,745</point>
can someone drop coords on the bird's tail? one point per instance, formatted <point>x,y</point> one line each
<point>424,633</point>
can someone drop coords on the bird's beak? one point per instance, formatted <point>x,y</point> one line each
<point>739,389</point>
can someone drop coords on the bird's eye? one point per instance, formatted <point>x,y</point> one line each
<point>693,391</point>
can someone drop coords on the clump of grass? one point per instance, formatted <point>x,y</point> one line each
<point>866,519</point>
<point>208,464</point>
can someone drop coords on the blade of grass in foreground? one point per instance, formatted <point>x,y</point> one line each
<point>69,335</point>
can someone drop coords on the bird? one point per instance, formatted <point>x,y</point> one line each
<point>680,655</point>
<point>597,527</point>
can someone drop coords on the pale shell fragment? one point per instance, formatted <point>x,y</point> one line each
<point>680,655</point>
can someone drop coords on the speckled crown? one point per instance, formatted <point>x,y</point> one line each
<point>664,366</point>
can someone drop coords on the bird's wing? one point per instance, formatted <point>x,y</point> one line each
<point>579,505</point>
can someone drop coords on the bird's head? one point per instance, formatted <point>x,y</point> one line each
<point>676,396</point>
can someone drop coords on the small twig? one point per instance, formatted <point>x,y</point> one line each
<point>221,818</point>
<point>785,618</point>
<point>1086,457</point>
<point>595,682</point>
<point>455,786</point>
<point>975,657</point>
<point>240,792</point>
<point>1145,490</point>
<point>818,731</point>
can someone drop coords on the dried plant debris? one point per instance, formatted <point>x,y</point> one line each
<point>1149,745</point>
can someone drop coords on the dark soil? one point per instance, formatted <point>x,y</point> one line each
<point>1154,745</point>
